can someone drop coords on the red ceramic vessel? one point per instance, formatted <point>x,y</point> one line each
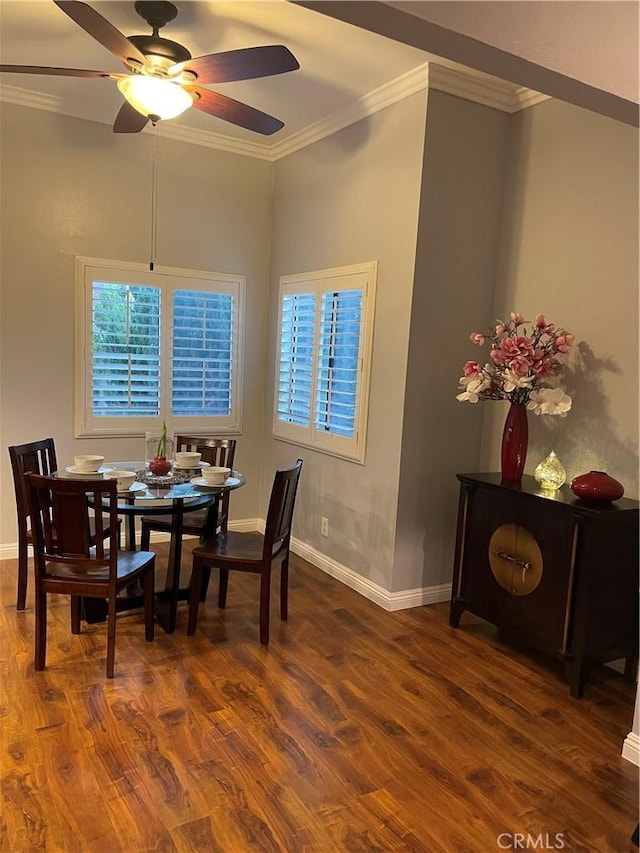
<point>597,487</point>
<point>515,438</point>
<point>159,466</point>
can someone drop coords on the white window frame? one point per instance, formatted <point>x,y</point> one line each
<point>168,279</point>
<point>355,276</point>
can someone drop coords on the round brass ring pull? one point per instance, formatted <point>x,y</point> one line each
<point>515,559</point>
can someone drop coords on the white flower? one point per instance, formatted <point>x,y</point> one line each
<point>513,381</point>
<point>473,387</point>
<point>549,401</point>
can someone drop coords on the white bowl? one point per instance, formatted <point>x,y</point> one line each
<point>215,476</point>
<point>188,458</point>
<point>125,479</point>
<point>88,463</point>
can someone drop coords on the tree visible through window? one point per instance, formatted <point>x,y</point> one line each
<point>157,347</point>
<point>126,349</point>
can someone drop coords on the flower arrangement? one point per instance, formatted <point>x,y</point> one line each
<point>523,366</point>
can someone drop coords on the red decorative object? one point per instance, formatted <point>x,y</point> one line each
<point>597,487</point>
<point>515,438</point>
<point>159,466</point>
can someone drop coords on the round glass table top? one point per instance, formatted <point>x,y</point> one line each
<point>178,484</point>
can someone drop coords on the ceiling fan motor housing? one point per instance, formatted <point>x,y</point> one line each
<point>157,13</point>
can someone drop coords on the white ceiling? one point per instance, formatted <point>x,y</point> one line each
<point>340,64</point>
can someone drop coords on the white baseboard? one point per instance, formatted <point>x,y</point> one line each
<point>388,600</point>
<point>631,748</point>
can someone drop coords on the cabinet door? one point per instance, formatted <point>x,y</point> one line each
<point>516,567</point>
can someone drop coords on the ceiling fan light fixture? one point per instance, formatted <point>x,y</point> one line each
<point>154,97</point>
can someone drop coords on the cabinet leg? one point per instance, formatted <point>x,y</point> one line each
<point>455,612</point>
<point>576,671</point>
<point>631,667</point>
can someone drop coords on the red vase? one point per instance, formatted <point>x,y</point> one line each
<point>597,487</point>
<point>159,466</point>
<point>515,438</point>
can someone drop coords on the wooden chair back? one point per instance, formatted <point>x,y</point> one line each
<point>277,534</point>
<point>39,457</point>
<point>216,451</point>
<point>62,528</point>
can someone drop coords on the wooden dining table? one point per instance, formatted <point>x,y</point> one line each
<point>174,494</point>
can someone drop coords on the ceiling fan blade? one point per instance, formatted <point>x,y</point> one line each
<point>129,120</point>
<point>234,112</point>
<point>100,29</point>
<point>243,64</point>
<point>60,72</point>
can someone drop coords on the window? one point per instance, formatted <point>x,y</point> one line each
<point>325,333</point>
<point>156,347</point>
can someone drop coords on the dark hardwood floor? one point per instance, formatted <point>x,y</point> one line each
<point>354,730</point>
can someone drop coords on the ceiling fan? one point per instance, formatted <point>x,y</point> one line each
<point>163,78</point>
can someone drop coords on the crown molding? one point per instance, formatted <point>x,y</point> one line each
<point>408,84</point>
<point>169,130</point>
<point>471,86</point>
<point>27,98</point>
<point>488,91</point>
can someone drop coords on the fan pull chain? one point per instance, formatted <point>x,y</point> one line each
<point>154,202</point>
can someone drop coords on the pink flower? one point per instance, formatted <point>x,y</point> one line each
<point>563,342</point>
<point>500,328</point>
<point>520,346</point>
<point>498,356</point>
<point>477,338</point>
<point>544,367</point>
<point>517,318</point>
<point>472,369</point>
<point>541,323</point>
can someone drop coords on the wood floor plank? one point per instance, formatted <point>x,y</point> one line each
<point>355,729</point>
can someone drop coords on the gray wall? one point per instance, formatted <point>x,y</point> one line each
<point>458,236</point>
<point>350,198</point>
<point>73,187</point>
<point>569,250</point>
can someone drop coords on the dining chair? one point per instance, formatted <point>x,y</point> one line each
<point>38,457</point>
<point>252,552</point>
<point>71,560</point>
<point>214,451</point>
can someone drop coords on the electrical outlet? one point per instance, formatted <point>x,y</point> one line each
<point>324,527</point>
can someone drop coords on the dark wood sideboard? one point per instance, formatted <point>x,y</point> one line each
<point>552,570</point>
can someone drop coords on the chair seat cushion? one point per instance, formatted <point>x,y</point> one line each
<point>230,546</point>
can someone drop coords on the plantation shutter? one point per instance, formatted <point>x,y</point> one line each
<point>338,362</point>
<point>126,349</point>
<point>202,359</point>
<point>295,367</point>
<point>323,363</point>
